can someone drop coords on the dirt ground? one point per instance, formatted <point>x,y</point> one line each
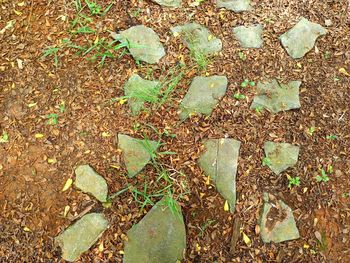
<point>34,170</point>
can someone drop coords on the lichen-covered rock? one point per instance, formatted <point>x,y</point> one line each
<point>203,95</point>
<point>138,91</point>
<point>277,222</point>
<point>276,97</point>
<point>198,38</point>
<point>159,237</point>
<point>249,37</point>
<point>169,3</point>
<point>136,153</point>
<point>301,38</point>
<point>235,5</point>
<point>79,237</point>
<point>143,43</point>
<point>280,156</point>
<point>88,181</point>
<point>219,162</point>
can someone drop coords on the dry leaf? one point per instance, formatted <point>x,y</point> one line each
<point>246,239</point>
<point>67,185</point>
<point>226,206</point>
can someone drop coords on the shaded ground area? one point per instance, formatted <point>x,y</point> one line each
<point>33,170</point>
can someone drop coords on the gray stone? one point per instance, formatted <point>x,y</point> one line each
<point>301,38</point>
<point>159,237</point>
<point>249,37</point>
<point>138,91</point>
<point>276,97</point>
<point>277,222</point>
<point>88,181</point>
<point>198,38</point>
<point>79,237</point>
<point>136,153</point>
<point>281,156</point>
<point>235,5</point>
<point>169,3</point>
<point>203,95</point>
<point>220,163</point>
<point>143,43</point>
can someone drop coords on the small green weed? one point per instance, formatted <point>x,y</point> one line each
<point>311,131</point>
<point>293,181</point>
<point>331,137</point>
<point>96,9</point>
<point>247,83</point>
<point>52,119</point>
<point>239,96</point>
<point>4,137</point>
<point>205,225</point>
<point>242,56</point>
<point>52,51</point>
<point>324,174</point>
<point>266,161</point>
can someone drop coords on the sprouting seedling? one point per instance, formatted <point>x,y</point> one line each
<point>323,177</point>
<point>293,181</point>
<point>242,56</point>
<point>331,137</point>
<point>247,83</point>
<point>239,96</point>
<point>266,161</point>
<point>258,109</point>
<point>52,119</point>
<point>311,131</point>
<point>52,51</point>
<point>62,107</point>
<point>4,137</point>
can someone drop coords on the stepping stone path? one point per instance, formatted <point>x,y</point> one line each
<point>301,38</point>
<point>159,237</point>
<point>219,162</point>
<point>280,156</point>
<point>139,91</point>
<point>249,37</point>
<point>143,43</point>
<point>203,95</point>
<point>277,222</point>
<point>79,237</point>
<point>169,3</point>
<point>198,38</point>
<point>88,181</point>
<point>136,153</point>
<point>276,97</point>
<point>235,5</point>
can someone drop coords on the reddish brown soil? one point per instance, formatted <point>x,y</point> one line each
<point>30,187</point>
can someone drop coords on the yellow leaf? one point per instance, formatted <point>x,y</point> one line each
<point>198,248</point>
<point>176,34</point>
<point>226,206</point>
<point>122,101</point>
<point>96,40</point>
<point>66,210</point>
<point>30,105</point>
<point>299,65</point>
<point>344,72</point>
<point>27,229</point>
<point>306,246</point>
<point>106,134</point>
<point>51,161</point>
<point>101,247</point>
<point>121,252</point>
<point>207,182</point>
<point>21,4</point>
<point>201,194</point>
<point>67,185</point>
<point>39,136</point>
<point>17,12</point>
<point>210,37</point>
<point>115,166</point>
<point>246,239</point>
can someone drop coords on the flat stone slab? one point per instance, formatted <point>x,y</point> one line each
<point>276,97</point>
<point>219,162</point>
<point>249,37</point>
<point>301,38</point>
<point>203,95</point>
<point>277,222</point>
<point>159,237</point>
<point>168,3</point>
<point>139,91</point>
<point>88,181</point>
<point>80,236</point>
<point>143,43</point>
<point>280,156</point>
<point>198,38</point>
<point>136,153</point>
<point>235,5</point>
